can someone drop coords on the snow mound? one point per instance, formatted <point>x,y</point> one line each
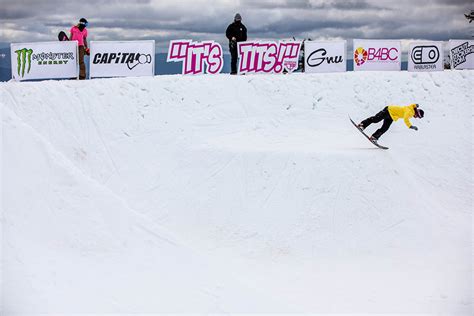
<point>236,194</point>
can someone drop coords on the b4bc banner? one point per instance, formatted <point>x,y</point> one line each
<point>324,56</point>
<point>425,56</point>
<point>122,59</point>
<point>461,53</point>
<point>44,60</point>
<point>377,55</point>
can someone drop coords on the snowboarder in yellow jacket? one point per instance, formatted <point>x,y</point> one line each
<point>392,113</point>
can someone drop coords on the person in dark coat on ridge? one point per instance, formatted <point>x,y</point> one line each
<point>236,32</point>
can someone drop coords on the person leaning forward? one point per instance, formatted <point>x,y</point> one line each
<point>392,113</point>
<point>236,32</point>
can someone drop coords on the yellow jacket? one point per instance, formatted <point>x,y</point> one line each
<point>405,112</point>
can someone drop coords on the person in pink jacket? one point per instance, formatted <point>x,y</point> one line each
<point>79,34</point>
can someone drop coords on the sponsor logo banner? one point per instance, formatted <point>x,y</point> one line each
<point>268,56</point>
<point>44,60</point>
<point>122,59</point>
<point>461,53</point>
<point>325,56</point>
<point>197,57</point>
<point>377,55</point>
<point>426,56</point>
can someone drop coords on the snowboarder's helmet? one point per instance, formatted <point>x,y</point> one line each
<point>238,17</point>
<point>83,21</point>
<point>419,113</point>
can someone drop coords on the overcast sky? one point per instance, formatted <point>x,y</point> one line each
<point>162,20</point>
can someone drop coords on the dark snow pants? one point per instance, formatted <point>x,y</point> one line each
<point>233,55</point>
<point>82,65</point>
<point>382,115</point>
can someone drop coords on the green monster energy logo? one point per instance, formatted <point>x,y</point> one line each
<point>23,58</point>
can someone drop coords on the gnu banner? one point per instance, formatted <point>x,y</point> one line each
<point>44,60</point>
<point>324,56</point>
<point>377,55</point>
<point>122,59</point>
<point>425,56</point>
<point>461,53</point>
<point>268,56</point>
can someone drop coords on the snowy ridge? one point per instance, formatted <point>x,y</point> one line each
<point>236,194</point>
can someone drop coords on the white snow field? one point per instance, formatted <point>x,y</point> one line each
<point>236,194</point>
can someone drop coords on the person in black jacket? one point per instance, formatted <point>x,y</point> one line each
<point>236,32</point>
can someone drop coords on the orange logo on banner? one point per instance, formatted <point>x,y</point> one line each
<point>360,56</point>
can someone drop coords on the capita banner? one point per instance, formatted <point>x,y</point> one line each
<point>324,56</point>
<point>268,56</point>
<point>377,55</point>
<point>44,60</point>
<point>461,53</point>
<point>197,57</point>
<point>122,59</point>
<point>425,56</point>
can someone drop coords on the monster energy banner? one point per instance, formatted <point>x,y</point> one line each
<point>44,60</point>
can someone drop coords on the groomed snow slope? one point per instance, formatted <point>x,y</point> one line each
<point>236,194</point>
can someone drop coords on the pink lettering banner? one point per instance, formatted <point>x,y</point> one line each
<point>268,57</point>
<point>377,55</point>
<point>197,57</point>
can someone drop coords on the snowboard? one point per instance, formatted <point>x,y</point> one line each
<point>375,143</point>
<point>62,36</point>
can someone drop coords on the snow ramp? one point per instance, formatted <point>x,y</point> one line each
<point>218,194</point>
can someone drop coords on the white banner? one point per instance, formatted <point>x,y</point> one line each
<point>425,56</point>
<point>377,55</point>
<point>122,59</point>
<point>44,60</point>
<point>461,53</point>
<point>197,57</point>
<point>268,56</point>
<point>323,56</point>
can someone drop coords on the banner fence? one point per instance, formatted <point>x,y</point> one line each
<point>325,56</point>
<point>383,55</point>
<point>122,59</point>
<point>268,56</point>
<point>44,60</point>
<point>59,60</point>
<point>461,54</point>
<point>426,56</point>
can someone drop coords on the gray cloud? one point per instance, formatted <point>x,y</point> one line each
<point>351,5</point>
<point>462,3</point>
<point>28,20</point>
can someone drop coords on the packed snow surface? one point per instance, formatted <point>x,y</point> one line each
<point>238,194</point>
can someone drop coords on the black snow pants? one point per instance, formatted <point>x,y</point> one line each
<point>233,61</point>
<point>382,115</point>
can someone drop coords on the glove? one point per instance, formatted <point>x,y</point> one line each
<point>414,127</point>
<point>88,51</point>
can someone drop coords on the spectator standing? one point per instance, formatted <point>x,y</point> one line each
<point>79,34</point>
<point>236,32</point>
